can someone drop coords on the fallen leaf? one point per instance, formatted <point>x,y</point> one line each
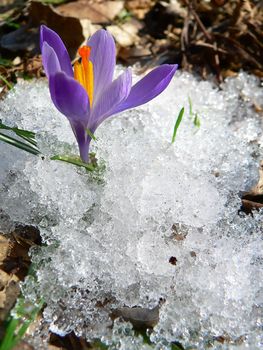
<point>8,295</point>
<point>23,346</point>
<point>4,247</point>
<point>141,318</point>
<point>139,7</point>
<point>253,200</point>
<point>124,34</point>
<point>88,28</point>
<point>14,263</point>
<point>21,39</point>
<point>46,14</point>
<point>96,12</point>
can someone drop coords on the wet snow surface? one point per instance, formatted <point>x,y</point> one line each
<point>109,237</point>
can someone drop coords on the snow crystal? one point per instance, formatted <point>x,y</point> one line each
<point>162,221</point>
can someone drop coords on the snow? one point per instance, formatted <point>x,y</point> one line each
<point>109,236</point>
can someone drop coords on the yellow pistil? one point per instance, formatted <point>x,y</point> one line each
<point>83,71</point>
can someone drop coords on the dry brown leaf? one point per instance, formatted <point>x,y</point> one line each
<point>258,189</point>
<point>96,12</point>
<point>139,7</point>
<point>88,28</point>
<point>23,346</point>
<point>73,38</point>
<point>124,34</point>
<point>9,8</point>
<point>141,318</point>
<point>254,199</point>
<point>9,294</point>
<point>4,247</point>
<point>4,278</point>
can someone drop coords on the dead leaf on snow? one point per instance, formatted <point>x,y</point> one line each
<point>69,341</point>
<point>254,199</point>
<point>141,318</point>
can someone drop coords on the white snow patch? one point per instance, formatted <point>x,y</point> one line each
<point>110,241</point>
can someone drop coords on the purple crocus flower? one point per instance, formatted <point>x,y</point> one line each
<point>87,94</point>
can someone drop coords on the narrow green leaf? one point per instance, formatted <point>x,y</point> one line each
<point>197,122</point>
<point>32,141</point>
<point>12,24</point>
<point>177,123</point>
<point>190,107</point>
<point>19,132</point>
<point>5,62</point>
<point>9,85</point>
<point>91,134</point>
<point>16,143</point>
<point>73,160</point>
<point>21,332</point>
<point>18,325</point>
<point>7,342</point>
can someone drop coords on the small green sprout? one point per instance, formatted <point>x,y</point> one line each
<point>193,116</point>
<point>177,123</point>
<point>197,122</point>
<point>190,107</point>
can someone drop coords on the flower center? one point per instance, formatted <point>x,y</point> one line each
<point>83,71</point>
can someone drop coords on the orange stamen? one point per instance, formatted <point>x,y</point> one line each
<point>83,72</point>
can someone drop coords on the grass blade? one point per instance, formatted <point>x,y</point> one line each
<point>177,123</point>
<point>18,325</point>
<point>73,160</point>
<point>197,121</point>
<point>191,113</point>
<point>20,132</point>
<point>16,143</point>
<point>7,342</point>
<point>32,141</point>
<point>9,85</point>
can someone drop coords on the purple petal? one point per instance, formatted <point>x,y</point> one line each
<point>111,98</point>
<point>50,60</point>
<point>103,57</point>
<point>69,97</point>
<point>52,38</point>
<point>149,87</point>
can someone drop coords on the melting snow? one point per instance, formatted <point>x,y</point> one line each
<point>109,237</point>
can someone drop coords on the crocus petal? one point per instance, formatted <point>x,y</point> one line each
<point>103,57</point>
<point>52,38</point>
<point>50,60</point>
<point>111,98</point>
<point>69,97</point>
<point>149,87</point>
